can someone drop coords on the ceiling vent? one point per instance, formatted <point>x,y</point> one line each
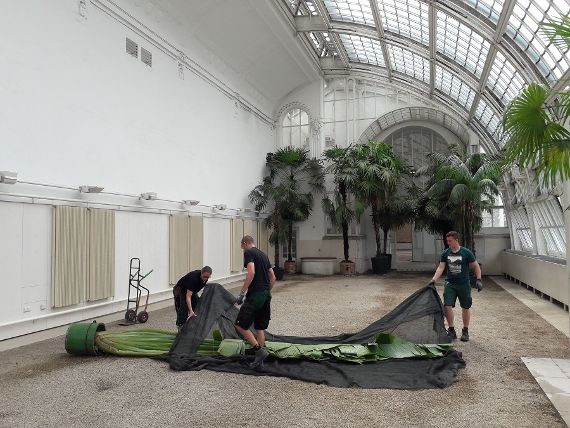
<point>132,48</point>
<point>146,57</point>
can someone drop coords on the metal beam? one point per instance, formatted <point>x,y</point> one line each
<point>400,41</point>
<point>381,36</point>
<point>321,8</point>
<point>559,86</point>
<point>497,37</point>
<point>432,17</point>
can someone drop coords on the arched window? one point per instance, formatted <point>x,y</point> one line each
<point>295,128</point>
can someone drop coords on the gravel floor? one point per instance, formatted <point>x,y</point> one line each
<point>42,386</point>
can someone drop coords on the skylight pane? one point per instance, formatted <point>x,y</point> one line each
<point>454,87</point>
<point>408,18</point>
<point>504,80</point>
<point>408,62</point>
<point>488,119</point>
<point>523,27</point>
<point>463,45</point>
<point>358,11</point>
<point>363,49</point>
<point>488,8</point>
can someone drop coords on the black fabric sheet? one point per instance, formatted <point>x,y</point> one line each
<point>418,319</point>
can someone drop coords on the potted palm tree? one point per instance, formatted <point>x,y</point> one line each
<point>465,186</point>
<point>338,209</point>
<point>293,179</point>
<point>379,171</point>
<point>270,194</point>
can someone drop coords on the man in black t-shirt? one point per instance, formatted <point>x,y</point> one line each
<point>256,292</point>
<point>186,293</point>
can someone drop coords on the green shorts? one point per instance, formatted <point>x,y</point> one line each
<point>452,292</point>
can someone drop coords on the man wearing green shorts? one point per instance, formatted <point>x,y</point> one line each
<point>458,260</point>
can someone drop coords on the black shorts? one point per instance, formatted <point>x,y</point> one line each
<point>255,310</point>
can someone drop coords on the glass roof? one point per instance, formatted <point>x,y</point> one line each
<point>454,87</point>
<point>350,11</point>
<point>460,43</point>
<point>363,49</point>
<point>504,80</point>
<point>465,64</point>
<point>409,63</point>
<point>406,18</point>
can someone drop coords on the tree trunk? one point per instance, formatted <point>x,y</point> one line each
<point>345,239</point>
<point>344,226</point>
<point>276,228</point>
<point>289,241</point>
<point>385,243</point>
<point>376,226</point>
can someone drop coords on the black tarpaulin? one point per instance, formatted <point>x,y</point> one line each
<point>418,319</point>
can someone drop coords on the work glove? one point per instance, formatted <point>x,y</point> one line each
<point>478,285</point>
<point>240,298</point>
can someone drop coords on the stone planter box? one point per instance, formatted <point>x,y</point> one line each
<point>318,265</point>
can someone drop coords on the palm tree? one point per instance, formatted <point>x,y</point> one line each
<point>292,181</point>
<point>432,214</point>
<point>340,213</point>
<point>269,194</point>
<point>535,128</point>
<point>466,186</point>
<point>379,172</point>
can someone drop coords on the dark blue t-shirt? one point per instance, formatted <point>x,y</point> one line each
<point>457,265</point>
<point>262,265</point>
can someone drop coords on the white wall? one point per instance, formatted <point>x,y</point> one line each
<point>78,110</point>
<point>548,277</point>
<point>144,236</point>
<point>217,245</point>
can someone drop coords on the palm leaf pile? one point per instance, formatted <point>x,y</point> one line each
<point>154,342</point>
<point>385,347</point>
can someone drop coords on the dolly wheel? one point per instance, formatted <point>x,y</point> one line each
<point>142,317</point>
<point>130,315</point>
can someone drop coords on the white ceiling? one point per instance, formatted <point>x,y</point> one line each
<point>250,36</point>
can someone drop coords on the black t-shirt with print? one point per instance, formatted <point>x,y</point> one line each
<point>260,281</point>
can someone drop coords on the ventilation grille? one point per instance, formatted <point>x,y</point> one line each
<point>132,48</point>
<point>146,57</point>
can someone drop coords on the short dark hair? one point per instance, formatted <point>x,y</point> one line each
<point>206,269</point>
<point>453,234</point>
<point>247,240</point>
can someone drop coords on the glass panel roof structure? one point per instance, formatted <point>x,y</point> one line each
<point>362,49</point>
<point>407,18</point>
<point>453,86</point>
<point>408,62</point>
<point>481,54</point>
<point>524,29</point>
<point>489,8</point>
<point>504,80</point>
<point>350,11</point>
<point>488,119</point>
<point>460,43</point>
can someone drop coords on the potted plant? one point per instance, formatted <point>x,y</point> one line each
<point>289,187</point>
<point>465,186</point>
<point>379,171</point>
<point>269,194</point>
<point>338,210</point>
